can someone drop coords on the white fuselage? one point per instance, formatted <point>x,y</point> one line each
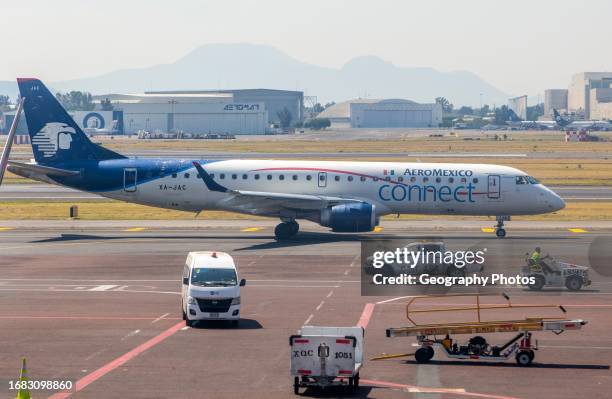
<point>393,187</point>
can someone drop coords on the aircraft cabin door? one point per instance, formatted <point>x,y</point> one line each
<point>129,179</point>
<point>322,179</point>
<point>494,187</point>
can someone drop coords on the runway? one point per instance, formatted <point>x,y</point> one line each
<point>14,192</point>
<point>98,304</point>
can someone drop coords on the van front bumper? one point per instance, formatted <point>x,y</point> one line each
<point>194,313</point>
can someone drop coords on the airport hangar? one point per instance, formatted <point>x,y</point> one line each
<point>249,111</point>
<point>387,113</point>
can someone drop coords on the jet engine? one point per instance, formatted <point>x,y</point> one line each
<point>350,218</point>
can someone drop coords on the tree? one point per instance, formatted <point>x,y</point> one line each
<point>284,117</point>
<point>76,101</point>
<point>317,108</point>
<point>318,123</point>
<point>502,115</point>
<point>465,111</point>
<point>484,111</point>
<point>106,105</point>
<point>4,100</point>
<point>447,107</point>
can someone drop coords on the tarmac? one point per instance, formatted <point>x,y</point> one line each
<point>98,303</point>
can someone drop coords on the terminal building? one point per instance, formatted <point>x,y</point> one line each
<point>389,113</point>
<point>590,94</point>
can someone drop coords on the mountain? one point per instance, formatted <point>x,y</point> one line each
<point>238,66</point>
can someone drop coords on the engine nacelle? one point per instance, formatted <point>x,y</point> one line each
<point>350,218</point>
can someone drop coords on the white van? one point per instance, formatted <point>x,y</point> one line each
<point>211,289</point>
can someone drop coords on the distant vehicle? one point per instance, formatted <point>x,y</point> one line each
<point>560,274</point>
<point>326,356</point>
<point>210,289</point>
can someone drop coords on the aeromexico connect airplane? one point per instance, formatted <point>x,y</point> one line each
<point>345,196</point>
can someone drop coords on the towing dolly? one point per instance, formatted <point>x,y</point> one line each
<point>522,345</point>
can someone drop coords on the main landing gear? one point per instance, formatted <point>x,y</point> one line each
<point>500,232</point>
<point>286,230</point>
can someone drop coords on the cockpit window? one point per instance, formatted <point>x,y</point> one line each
<point>526,180</point>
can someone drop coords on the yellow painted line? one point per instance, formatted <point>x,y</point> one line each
<point>5,228</point>
<point>249,229</point>
<point>377,229</point>
<point>488,230</point>
<point>576,230</point>
<point>136,229</point>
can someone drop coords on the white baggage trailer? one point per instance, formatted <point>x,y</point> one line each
<point>326,356</point>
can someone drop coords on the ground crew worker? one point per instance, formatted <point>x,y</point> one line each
<point>536,263</point>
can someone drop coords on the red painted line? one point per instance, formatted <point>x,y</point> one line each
<point>364,320</point>
<point>435,390</point>
<point>121,360</point>
<point>85,317</point>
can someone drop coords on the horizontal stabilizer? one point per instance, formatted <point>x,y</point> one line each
<point>17,167</point>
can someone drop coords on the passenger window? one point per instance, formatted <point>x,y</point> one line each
<point>337,178</point>
<point>186,175</point>
<point>234,176</point>
<point>425,179</point>
<point>281,177</point>
<point>295,177</point>
<point>350,178</point>
<point>162,174</point>
<point>269,177</point>
<point>362,178</point>
<point>222,176</point>
<point>198,176</point>
<point>521,180</point>
<point>256,177</point>
<point>174,175</point>
<point>400,179</point>
<point>388,178</point>
<point>245,176</point>
<point>212,175</point>
<point>451,180</point>
<point>413,179</point>
<point>308,177</point>
<point>463,180</point>
<point>375,178</point>
<point>475,180</point>
<point>438,180</point>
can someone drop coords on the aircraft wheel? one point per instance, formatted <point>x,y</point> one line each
<point>500,233</point>
<point>286,230</point>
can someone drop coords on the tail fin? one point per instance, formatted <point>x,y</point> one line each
<point>559,119</point>
<point>55,137</point>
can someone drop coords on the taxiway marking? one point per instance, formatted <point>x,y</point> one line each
<point>449,391</point>
<point>103,287</point>
<point>120,361</point>
<point>251,229</point>
<point>133,229</point>
<point>577,230</point>
<point>366,315</point>
<point>378,229</point>
<point>488,230</point>
<point>5,228</point>
<point>160,318</point>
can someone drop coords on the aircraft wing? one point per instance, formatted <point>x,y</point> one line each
<point>258,202</point>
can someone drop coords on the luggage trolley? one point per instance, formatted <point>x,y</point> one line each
<point>326,356</point>
<point>522,346</point>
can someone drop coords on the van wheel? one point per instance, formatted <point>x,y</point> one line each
<point>188,322</point>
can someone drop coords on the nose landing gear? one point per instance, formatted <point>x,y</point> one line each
<point>286,230</point>
<point>500,232</point>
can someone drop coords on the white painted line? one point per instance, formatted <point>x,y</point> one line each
<point>354,262</point>
<point>103,288</point>
<point>346,272</point>
<point>160,318</point>
<point>184,328</point>
<point>330,294</point>
<point>320,305</point>
<point>393,299</point>
<point>135,332</point>
<point>308,319</point>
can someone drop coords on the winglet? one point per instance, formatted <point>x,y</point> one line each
<point>210,183</point>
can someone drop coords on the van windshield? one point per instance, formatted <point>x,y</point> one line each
<point>213,277</point>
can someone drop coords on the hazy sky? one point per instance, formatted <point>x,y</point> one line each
<point>522,46</point>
